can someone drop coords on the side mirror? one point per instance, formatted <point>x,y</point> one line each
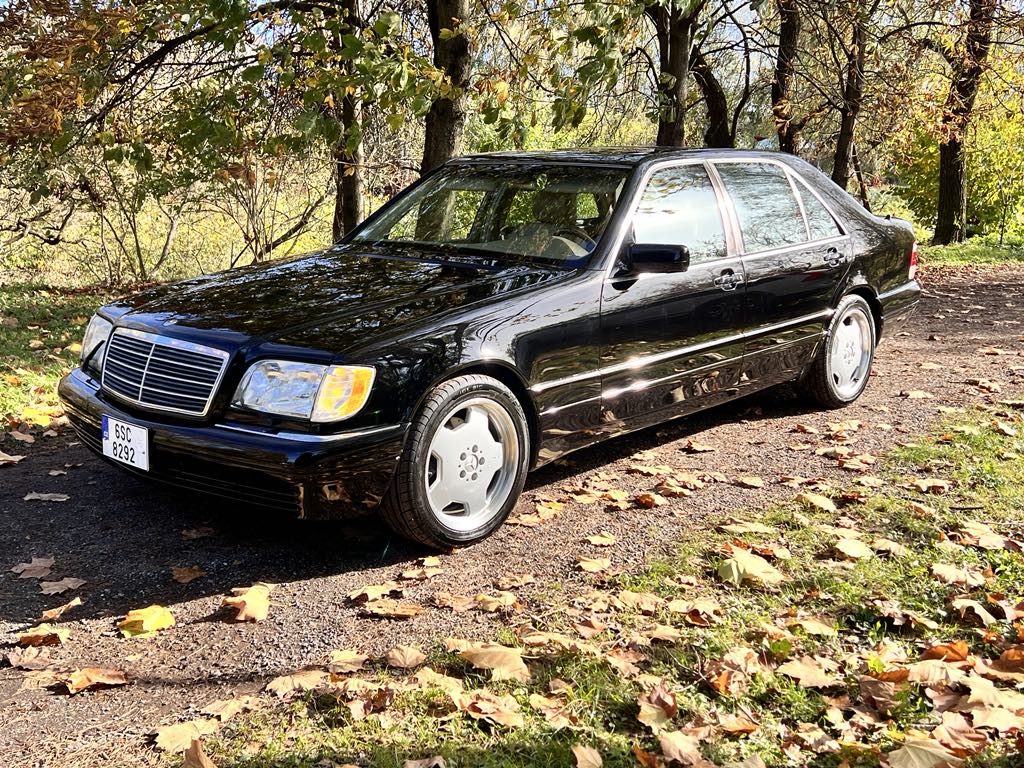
<point>643,257</point>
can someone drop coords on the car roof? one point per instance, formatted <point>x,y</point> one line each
<point>628,156</point>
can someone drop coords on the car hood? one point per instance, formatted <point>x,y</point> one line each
<point>333,300</point>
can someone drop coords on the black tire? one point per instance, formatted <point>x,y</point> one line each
<point>406,508</point>
<point>820,382</point>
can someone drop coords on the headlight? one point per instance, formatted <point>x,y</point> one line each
<point>95,341</point>
<point>305,390</point>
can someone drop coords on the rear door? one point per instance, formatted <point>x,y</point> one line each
<point>672,343</point>
<point>795,256</point>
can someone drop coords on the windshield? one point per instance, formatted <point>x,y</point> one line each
<point>505,211</point>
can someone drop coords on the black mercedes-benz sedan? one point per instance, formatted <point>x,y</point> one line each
<point>504,310</point>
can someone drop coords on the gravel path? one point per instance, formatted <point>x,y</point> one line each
<point>123,537</point>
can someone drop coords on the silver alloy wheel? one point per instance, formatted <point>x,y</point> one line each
<point>471,464</point>
<point>849,353</point>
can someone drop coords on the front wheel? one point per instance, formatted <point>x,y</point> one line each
<point>463,465</point>
<point>840,372</point>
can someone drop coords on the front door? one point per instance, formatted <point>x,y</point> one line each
<point>672,342</point>
<point>794,256</point>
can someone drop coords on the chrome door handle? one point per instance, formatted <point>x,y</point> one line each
<point>728,280</point>
<point>833,257</point>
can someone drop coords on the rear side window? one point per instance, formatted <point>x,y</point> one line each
<point>679,207</point>
<point>819,220</point>
<point>768,213</point>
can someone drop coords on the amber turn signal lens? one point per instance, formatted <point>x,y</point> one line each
<point>343,392</point>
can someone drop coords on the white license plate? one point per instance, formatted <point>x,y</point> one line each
<point>127,443</point>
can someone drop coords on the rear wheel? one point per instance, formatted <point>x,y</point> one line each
<point>463,466</point>
<point>840,372</point>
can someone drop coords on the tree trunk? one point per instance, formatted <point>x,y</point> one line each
<point>348,152</point>
<point>674,26</point>
<point>951,217</point>
<point>719,132</point>
<point>446,119</point>
<point>348,160</point>
<point>782,108</point>
<point>853,96</point>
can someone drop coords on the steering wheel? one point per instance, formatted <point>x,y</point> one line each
<point>578,234</point>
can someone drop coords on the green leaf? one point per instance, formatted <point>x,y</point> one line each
<point>253,74</point>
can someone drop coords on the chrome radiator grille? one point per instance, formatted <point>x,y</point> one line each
<point>160,373</point>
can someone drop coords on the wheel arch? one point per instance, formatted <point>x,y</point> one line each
<point>507,375</point>
<point>866,293</point>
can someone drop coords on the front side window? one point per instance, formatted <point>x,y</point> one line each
<point>768,213</point>
<point>679,207</point>
<point>505,211</point>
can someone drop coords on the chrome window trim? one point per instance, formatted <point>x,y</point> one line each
<point>166,341</point>
<point>641,362</point>
<point>615,243</point>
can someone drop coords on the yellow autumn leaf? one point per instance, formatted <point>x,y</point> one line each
<point>143,622</point>
<point>253,603</point>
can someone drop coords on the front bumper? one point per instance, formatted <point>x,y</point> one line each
<point>315,477</point>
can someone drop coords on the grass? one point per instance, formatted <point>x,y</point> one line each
<point>864,600</point>
<point>975,251</point>
<point>40,333</point>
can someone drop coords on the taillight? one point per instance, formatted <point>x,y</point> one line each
<point>913,261</point>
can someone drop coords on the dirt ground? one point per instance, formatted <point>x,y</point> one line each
<point>123,537</point>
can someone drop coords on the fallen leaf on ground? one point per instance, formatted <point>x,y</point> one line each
<point>957,734</point>
<point>252,603</point>
<point>225,709</point>
<point>810,671</point>
<point>749,481</point>
<point>681,748</point>
<point>195,757</point>
<point>55,613</point>
<point>46,496</point>
<point>657,707</point>
<point>952,574</point>
<point>700,612</point>
<point>505,663</point>
<point>555,711</point>
<point>916,394</point>
<point>587,757</point>
<point>428,678</point>
<point>94,677</point>
<point>922,753</point>
<point>894,548</point>
<point>32,658</point>
<point>985,693</point>
<point>44,634</point>
<point>594,564</point>
<point>375,592</point>
<point>143,622</point>
<point>853,549</point>
<point>746,566</point>
<point>602,539</point>
<point>185,574</point>
<point>6,458</point>
<point>932,485</point>
<point>179,737</point>
<point>824,503</point>
<point>500,709</point>
<point>38,568</point>
<point>457,603</point>
<point>503,601</point>
<point>59,587</point>
<point>386,608</point>
<point>645,602</point>
<point>297,682</point>
<point>22,437</point>
<point>406,656</point>
<point>427,762</point>
<point>345,661</point>
<point>813,626</point>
